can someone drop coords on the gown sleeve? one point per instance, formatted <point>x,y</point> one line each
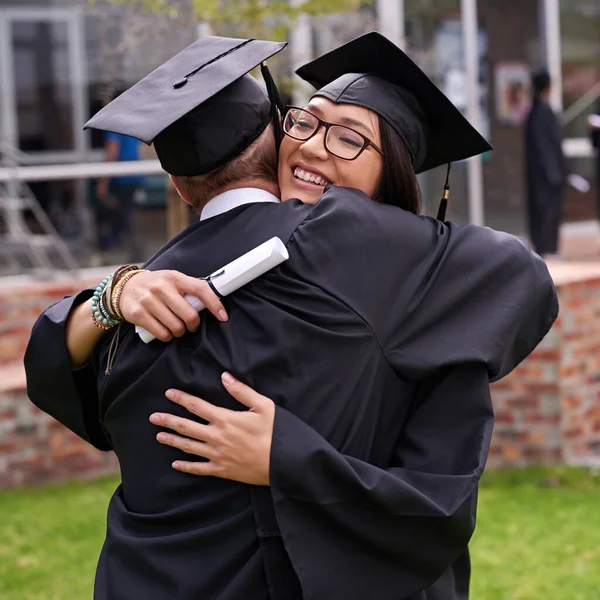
<point>434,294</point>
<point>353,530</point>
<point>68,394</point>
<point>487,298</point>
<point>53,385</point>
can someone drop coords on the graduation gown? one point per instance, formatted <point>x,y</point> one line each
<point>546,176</point>
<point>377,340</point>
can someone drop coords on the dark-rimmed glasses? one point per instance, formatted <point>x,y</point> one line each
<point>341,141</point>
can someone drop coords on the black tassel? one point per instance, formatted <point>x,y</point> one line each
<point>276,103</point>
<point>441,216</point>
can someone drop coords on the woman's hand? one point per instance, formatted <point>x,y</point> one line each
<point>237,444</point>
<point>154,300</point>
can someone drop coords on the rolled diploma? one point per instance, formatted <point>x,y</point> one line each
<point>579,183</point>
<point>594,121</point>
<point>237,274</point>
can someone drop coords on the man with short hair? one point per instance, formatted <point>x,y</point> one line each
<point>256,167</point>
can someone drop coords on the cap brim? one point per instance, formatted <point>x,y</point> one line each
<point>156,102</point>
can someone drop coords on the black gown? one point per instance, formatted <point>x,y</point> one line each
<point>377,340</point>
<point>546,176</point>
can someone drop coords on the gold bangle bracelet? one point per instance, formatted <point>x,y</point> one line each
<point>118,290</point>
<point>118,285</point>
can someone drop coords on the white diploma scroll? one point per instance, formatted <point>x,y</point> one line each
<point>594,121</point>
<point>579,183</point>
<point>237,273</point>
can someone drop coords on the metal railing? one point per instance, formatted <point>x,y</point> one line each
<point>9,155</point>
<point>14,190</point>
<point>79,171</point>
<point>581,104</point>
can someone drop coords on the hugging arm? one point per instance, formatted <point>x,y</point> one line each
<point>60,378</point>
<point>434,294</point>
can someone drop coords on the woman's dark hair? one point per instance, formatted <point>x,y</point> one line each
<point>398,185</point>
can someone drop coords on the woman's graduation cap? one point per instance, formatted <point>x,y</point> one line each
<point>201,109</point>
<point>372,72</point>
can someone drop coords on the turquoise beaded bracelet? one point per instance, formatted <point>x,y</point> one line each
<point>100,315</point>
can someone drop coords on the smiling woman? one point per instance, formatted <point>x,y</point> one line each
<point>349,146</point>
<point>322,145</point>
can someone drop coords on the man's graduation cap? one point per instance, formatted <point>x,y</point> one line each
<point>372,72</point>
<point>201,109</point>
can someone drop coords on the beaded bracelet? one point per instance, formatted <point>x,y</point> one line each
<point>100,316</point>
<point>105,297</point>
<point>106,312</point>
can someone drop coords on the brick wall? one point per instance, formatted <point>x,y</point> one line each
<point>528,412</point>
<point>579,373</point>
<point>34,448</point>
<point>21,303</point>
<point>547,410</point>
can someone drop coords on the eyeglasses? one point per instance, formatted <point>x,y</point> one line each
<point>341,141</point>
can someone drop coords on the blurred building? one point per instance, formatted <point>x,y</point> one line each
<point>60,58</point>
<point>508,38</point>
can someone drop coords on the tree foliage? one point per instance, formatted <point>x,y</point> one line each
<point>257,18</point>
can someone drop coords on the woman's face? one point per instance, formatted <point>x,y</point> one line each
<point>299,160</point>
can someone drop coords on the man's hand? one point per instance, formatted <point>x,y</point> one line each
<point>154,300</point>
<point>237,444</point>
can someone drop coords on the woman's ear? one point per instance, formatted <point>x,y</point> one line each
<point>180,189</point>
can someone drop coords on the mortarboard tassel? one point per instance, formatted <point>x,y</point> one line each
<point>276,104</point>
<point>441,216</point>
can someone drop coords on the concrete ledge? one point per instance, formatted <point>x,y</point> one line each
<point>12,378</point>
<point>566,272</point>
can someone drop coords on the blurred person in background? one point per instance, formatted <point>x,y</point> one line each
<point>546,169</point>
<point>115,201</point>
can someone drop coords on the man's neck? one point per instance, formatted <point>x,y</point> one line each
<point>260,184</point>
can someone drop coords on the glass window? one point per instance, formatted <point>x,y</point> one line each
<point>580,47</point>
<point>43,85</point>
<point>434,41</point>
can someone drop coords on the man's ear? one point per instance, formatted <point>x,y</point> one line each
<point>180,189</point>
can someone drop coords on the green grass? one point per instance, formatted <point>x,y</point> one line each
<point>50,540</point>
<point>538,538</point>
